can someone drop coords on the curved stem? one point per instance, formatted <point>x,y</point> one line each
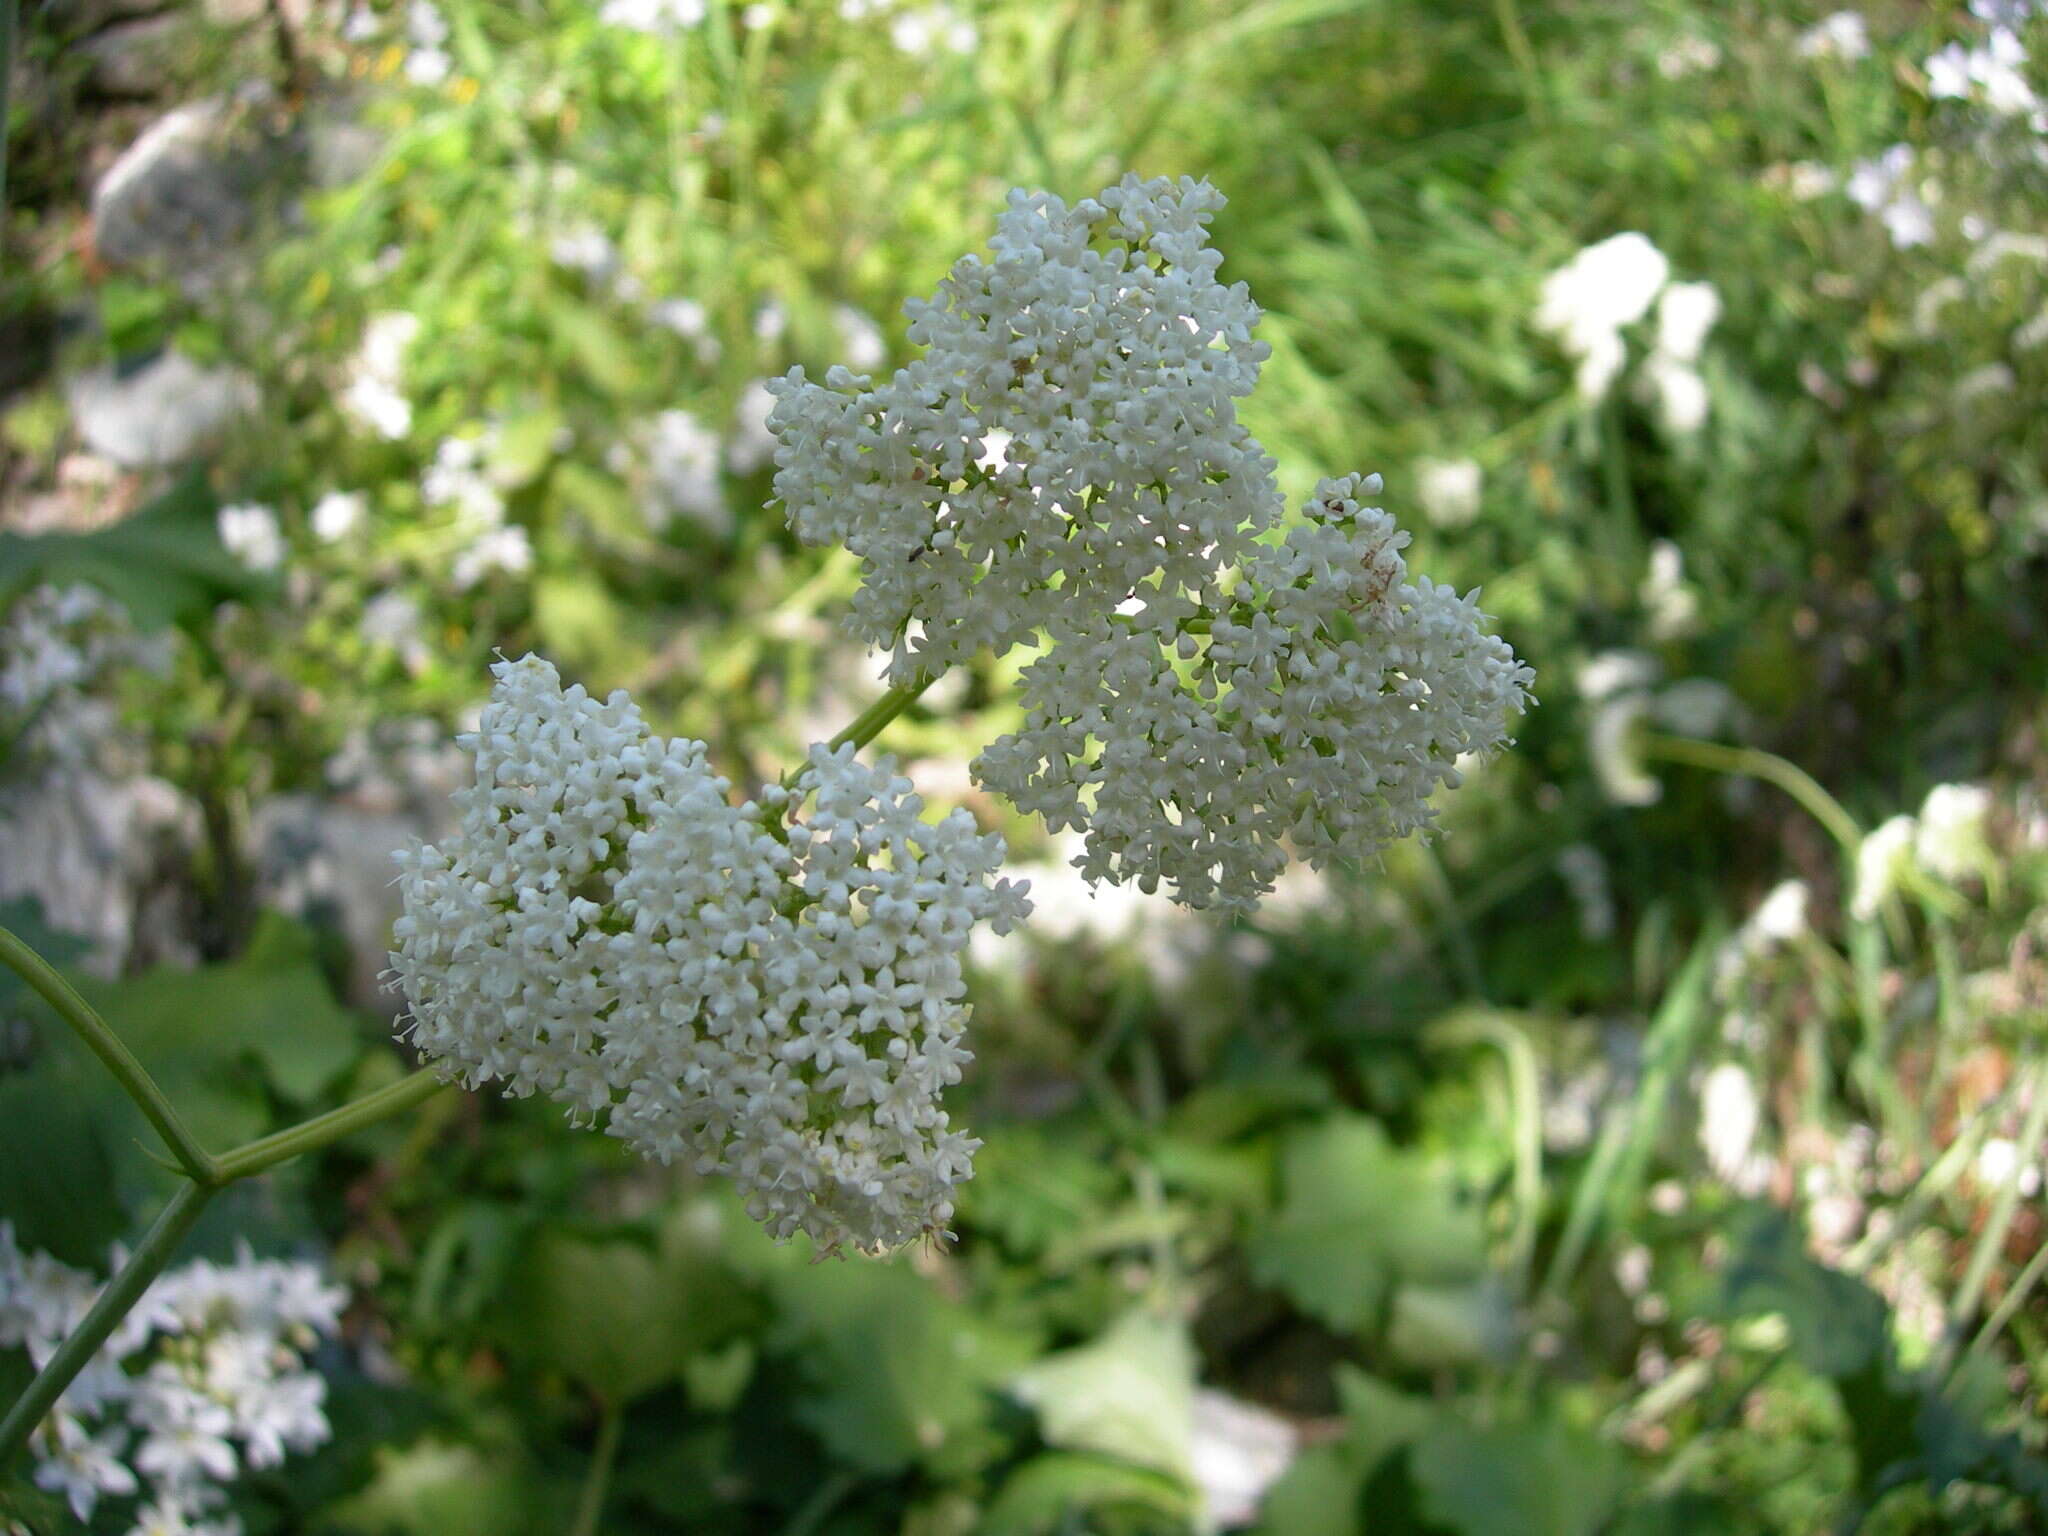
<point>1749,762</point>
<point>867,725</point>
<point>1525,1095</point>
<point>194,1159</point>
<point>313,1134</point>
<point>114,1303</point>
<point>590,1502</point>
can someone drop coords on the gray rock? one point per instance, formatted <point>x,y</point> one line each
<point>161,412</point>
<point>136,58</point>
<point>180,195</point>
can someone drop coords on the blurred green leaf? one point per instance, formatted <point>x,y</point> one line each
<point>1837,1323</point>
<point>1357,1217</point>
<point>898,1374</point>
<point>1129,1394</point>
<point>1050,1493</point>
<point>1539,1479</point>
<point>621,1314</point>
<point>164,563</point>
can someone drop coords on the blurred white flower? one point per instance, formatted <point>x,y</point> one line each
<point>1449,490</point>
<point>372,394</point>
<point>1586,302</point>
<point>1950,842</point>
<point>1672,606</point>
<point>1613,672</point>
<point>752,446</point>
<point>1237,1450</point>
<point>1884,186</point>
<point>1731,1114</point>
<point>426,29</point>
<point>250,533</point>
<point>1686,312</point>
<point>1883,859</point>
<point>1617,763</point>
<point>1688,56</point>
<point>1803,180</point>
<point>661,17</point>
<point>1993,73</point>
<point>586,249</point>
<point>923,31</point>
<point>1676,391</point>
<point>1844,35</point>
<point>1999,1163</point>
<point>861,343</point>
<point>506,549</point>
<point>684,477</point>
<point>688,319</point>
<point>337,515</point>
<point>1781,917</point>
<point>393,620</point>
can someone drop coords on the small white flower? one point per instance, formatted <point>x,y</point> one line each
<point>753,443</point>
<point>1843,35</point>
<point>1950,842</point>
<point>660,17</point>
<point>1672,606</point>
<point>1731,1114</point>
<point>506,549</point>
<point>1686,312</point>
<point>1885,186</point>
<point>250,533</point>
<point>337,515</point>
<point>1883,859</point>
<point>683,465</point>
<point>1449,490</point>
<point>1586,303</point>
<point>860,340</point>
<point>79,1466</point>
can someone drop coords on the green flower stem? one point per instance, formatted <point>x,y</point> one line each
<point>868,724</point>
<point>1525,1095</point>
<point>1749,762</point>
<point>1991,1241</point>
<point>313,1134</point>
<point>590,1502</point>
<point>194,1159</point>
<point>114,1303</point>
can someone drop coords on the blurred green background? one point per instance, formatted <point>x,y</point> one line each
<point>1644,1153</point>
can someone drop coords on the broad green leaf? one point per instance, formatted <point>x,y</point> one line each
<point>1324,1493</point>
<point>899,1375</point>
<point>1358,1217</point>
<point>1540,1479</point>
<point>618,1313</point>
<point>163,564</point>
<point>523,447</point>
<point>1837,1322</point>
<point>1129,1394</point>
<point>1055,1492</point>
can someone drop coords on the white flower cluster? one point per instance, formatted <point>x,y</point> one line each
<point>1064,466</point>
<point>1889,186</point>
<point>250,533</point>
<point>771,997</point>
<point>1946,840</point>
<point>1591,299</point>
<point>206,1376</point>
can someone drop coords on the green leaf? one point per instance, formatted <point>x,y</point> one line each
<point>524,447</point>
<point>899,1374</point>
<point>620,1314</point>
<point>598,347</point>
<point>164,564</point>
<point>1329,1487</point>
<point>1837,1323</point>
<point>1129,1394</point>
<point>1541,1479</point>
<point>1051,1493</point>
<point>1358,1217</point>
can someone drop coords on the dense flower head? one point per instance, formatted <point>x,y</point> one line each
<point>766,992</point>
<point>1064,467</point>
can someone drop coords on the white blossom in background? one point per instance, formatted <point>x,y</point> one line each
<point>1993,73</point>
<point>585,249</point>
<point>456,479</point>
<point>768,994</point>
<point>663,18</point>
<point>1673,607</point>
<point>58,647</point>
<point>923,30</point>
<point>337,515</point>
<point>1950,841</point>
<point>1669,377</point>
<point>1692,55</point>
<point>684,474</point>
<point>372,395</point>
<point>771,321</point>
<point>506,549</point>
<point>393,621</point>
<point>1237,1450</point>
<point>689,320</point>
<point>861,341</point>
<point>250,533</point>
<point>206,1377</point>
<point>1731,1115</point>
<point>752,446</point>
<point>426,29</point>
<point>1885,186</point>
<point>1883,859</point>
<point>1203,700</point>
<point>1586,302</point>
<point>1844,35</point>
<point>1449,490</point>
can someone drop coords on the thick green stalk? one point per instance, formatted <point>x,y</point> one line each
<point>115,1303</point>
<point>313,1134</point>
<point>119,1060</point>
<point>1749,762</point>
<point>868,724</point>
